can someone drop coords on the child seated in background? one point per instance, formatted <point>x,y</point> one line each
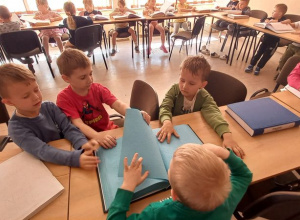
<point>122,27</point>
<point>189,96</point>
<point>150,8</point>
<point>269,43</point>
<point>292,49</point>
<point>89,9</point>
<point>35,123</point>
<point>230,6</point>
<point>72,22</point>
<point>182,7</point>
<point>83,100</point>
<point>241,8</point>
<point>202,186</point>
<point>7,25</point>
<point>294,77</point>
<point>45,13</point>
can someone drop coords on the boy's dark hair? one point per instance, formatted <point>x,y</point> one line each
<point>197,65</point>
<point>282,7</point>
<point>13,73</point>
<point>4,12</point>
<point>70,60</point>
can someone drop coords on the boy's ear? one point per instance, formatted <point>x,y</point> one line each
<point>7,101</point>
<point>204,84</point>
<point>65,78</point>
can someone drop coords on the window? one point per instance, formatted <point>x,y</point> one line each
<point>13,6</point>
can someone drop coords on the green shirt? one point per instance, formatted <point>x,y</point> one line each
<point>168,209</point>
<point>173,103</point>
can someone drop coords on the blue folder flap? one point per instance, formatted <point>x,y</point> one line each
<point>138,138</point>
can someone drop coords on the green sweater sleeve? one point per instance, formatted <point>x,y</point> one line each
<point>120,205</point>
<point>167,105</point>
<point>212,115</point>
<point>241,178</point>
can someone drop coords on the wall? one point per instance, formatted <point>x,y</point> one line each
<point>268,5</point>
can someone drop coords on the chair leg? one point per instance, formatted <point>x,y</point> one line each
<point>241,48</point>
<point>35,56</point>
<point>245,51</point>
<point>105,42</point>
<point>103,58</point>
<point>186,48</point>
<point>251,44</point>
<point>49,66</point>
<point>224,42</point>
<point>172,49</point>
<point>93,59</point>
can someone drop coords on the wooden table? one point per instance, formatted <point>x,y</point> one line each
<point>289,99</point>
<point>59,208</point>
<point>266,156</point>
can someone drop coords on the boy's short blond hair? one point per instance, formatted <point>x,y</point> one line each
<point>70,60</point>
<point>13,73</point>
<point>4,12</point>
<point>88,2</point>
<point>197,65</point>
<point>282,7</point>
<point>41,2</point>
<point>199,178</point>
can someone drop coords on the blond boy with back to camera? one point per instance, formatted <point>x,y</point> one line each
<point>202,185</point>
<point>189,96</point>
<point>34,122</point>
<point>82,101</point>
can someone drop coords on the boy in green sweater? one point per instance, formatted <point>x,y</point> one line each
<point>189,96</point>
<point>202,186</point>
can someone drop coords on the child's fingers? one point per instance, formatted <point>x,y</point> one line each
<point>139,162</point>
<point>134,159</point>
<point>145,175</point>
<point>176,134</point>
<point>125,162</point>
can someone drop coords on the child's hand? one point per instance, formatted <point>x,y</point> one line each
<point>91,145</point>
<point>166,131</point>
<point>230,143</point>
<point>287,21</point>
<point>106,141</point>
<point>133,173</point>
<point>81,13</point>
<point>87,161</point>
<point>146,117</point>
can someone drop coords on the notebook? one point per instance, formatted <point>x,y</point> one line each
<point>139,137</point>
<point>261,116</point>
<point>165,10</point>
<point>125,16</point>
<point>276,27</point>
<point>26,187</point>
<point>233,16</point>
<point>293,90</point>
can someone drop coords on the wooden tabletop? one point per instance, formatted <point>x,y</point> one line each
<point>266,156</point>
<point>289,99</point>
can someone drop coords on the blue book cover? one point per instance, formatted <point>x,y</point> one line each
<point>139,137</point>
<point>263,115</point>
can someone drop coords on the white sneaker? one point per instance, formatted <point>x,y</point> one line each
<point>214,55</point>
<point>206,51</point>
<point>203,47</point>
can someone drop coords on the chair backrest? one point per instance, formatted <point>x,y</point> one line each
<point>88,37</point>
<point>292,17</point>
<point>19,43</point>
<point>258,14</point>
<point>277,205</point>
<point>4,116</point>
<point>199,24</point>
<point>144,97</point>
<point>225,89</point>
<point>289,65</point>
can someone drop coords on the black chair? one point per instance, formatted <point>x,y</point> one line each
<point>277,205</point>
<point>4,118</point>
<point>190,35</point>
<point>144,97</point>
<point>22,44</point>
<point>225,89</point>
<point>89,38</point>
<point>123,35</point>
<point>281,80</point>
